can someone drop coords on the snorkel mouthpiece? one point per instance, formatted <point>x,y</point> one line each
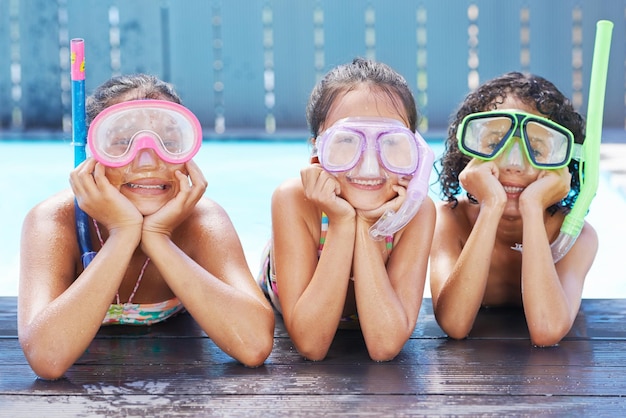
<point>416,191</point>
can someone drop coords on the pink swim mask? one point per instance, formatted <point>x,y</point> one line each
<point>120,131</point>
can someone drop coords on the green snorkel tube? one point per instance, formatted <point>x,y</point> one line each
<point>589,171</point>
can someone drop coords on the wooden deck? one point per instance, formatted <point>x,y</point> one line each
<point>172,369</point>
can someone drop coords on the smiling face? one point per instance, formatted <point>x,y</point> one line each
<point>147,181</point>
<point>368,185</point>
<point>516,171</point>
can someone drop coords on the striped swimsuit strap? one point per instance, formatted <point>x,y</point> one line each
<point>388,238</point>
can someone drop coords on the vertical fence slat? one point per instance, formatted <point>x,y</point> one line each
<point>90,21</point>
<point>40,69</point>
<point>141,42</point>
<point>243,64</point>
<point>5,66</point>
<point>447,60</point>
<point>267,68</point>
<point>294,69</point>
<point>191,57</point>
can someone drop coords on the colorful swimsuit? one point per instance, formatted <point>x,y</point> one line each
<point>142,313</point>
<point>139,313</point>
<point>266,279</point>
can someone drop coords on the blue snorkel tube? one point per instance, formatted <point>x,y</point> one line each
<point>79,140</point>
<point>589,170</point>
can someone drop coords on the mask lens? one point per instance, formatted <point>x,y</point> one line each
<point>342,150</point>
<point>117,132</point>
<point>546,145</point>
<point>398,152</point>
<point>483,137</point>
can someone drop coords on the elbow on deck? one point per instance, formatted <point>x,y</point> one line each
<point>384,353</point>
<point>48,363</point>
<point>313,352</point>
<point>256,356</point>
<point>548,336</point>
<point>455,330</point>
<point>47,367</point>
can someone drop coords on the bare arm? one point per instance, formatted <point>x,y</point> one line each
<point>389,295</point>
<point>459,271</point>
<point>59,314</point>
<point>217,287</point>
<point>551,293</point>
<point>215,283</point>
<point>312,292</point>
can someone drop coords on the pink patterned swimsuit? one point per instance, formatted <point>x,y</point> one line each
<point>129,313</point>
<point>142,313</point>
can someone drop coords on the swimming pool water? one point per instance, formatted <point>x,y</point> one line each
<point>242,176</point>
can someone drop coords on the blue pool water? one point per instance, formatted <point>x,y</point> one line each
<point>242,176</point>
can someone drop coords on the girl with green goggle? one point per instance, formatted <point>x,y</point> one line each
<point>513,148</point>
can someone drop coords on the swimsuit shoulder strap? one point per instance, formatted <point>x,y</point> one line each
<point>143,269</point>
<point>324,231</point>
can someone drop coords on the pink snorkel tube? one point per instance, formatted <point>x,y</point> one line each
<point>417,190</point>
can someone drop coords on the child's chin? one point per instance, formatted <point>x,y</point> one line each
<point>147,210</point>
<point>368,207</point>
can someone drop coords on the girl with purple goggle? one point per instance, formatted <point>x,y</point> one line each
<point>342,146</point>
<point>401,151</point>
<point>352,233</point>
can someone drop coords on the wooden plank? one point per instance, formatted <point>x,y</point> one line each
<point>8,317</point>
<point>309,405</point>
<point>322,379</point>
<point>344,352</point>
<point>598,318</point>
<point>174,369</point>
<point>424,366</point>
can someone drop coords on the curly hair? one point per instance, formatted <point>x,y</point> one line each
<point>532,90</point>
<point>117,89</point>
<point>347,77</point>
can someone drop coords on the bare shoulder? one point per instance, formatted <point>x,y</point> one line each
<point>588,239</point>
<point>207,215</point>
<point>456,217</point>
<point>207,229</point>
<point>578,260</point>
<point>290,189</point>
<point>48,245</point>
<point>589,232</point>
<point>428,205</point>
<point>56,209</point>
<point>419,231</point>
<point>289,200</point>
<point>422,222</point>
<point>293,214</point>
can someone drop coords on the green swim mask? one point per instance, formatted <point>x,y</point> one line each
<point>485,135</point>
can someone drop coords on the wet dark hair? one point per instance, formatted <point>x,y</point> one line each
<point>532,90</point>
<point>119,88</point>
<point>347,77</point>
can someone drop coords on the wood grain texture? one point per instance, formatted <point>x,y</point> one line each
<point>173,369</point>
